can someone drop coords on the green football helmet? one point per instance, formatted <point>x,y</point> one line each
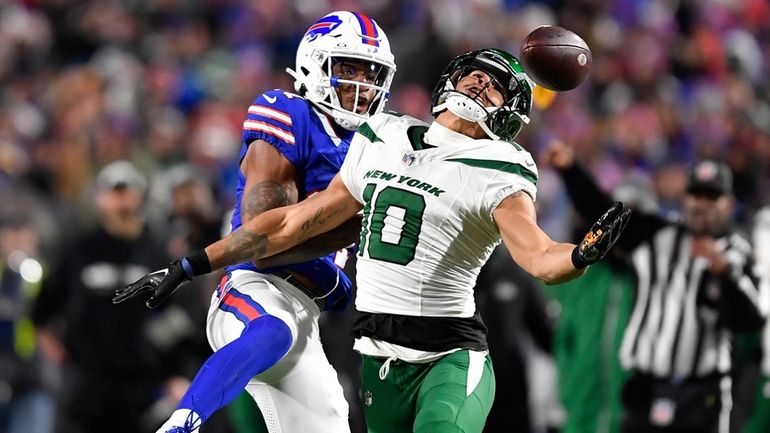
<point>500,123</point>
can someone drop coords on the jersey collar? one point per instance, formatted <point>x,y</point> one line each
<point>335,132</point>
<point>438,135</point>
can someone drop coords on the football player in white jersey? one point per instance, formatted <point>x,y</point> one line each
<point>436,200</point>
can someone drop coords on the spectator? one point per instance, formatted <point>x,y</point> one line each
<point>116,363</point>
<point>26,404</point>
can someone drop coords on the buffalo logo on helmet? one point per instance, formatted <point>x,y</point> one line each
<point>322,27</point>
<point>369,33</point>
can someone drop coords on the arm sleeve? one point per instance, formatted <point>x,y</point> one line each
<point>742,302</point>
<point>591,202</point>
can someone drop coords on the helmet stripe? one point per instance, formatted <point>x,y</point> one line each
<point>319,25</point>
<point>368,29</point>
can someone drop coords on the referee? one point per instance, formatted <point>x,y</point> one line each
<point>694,287</point>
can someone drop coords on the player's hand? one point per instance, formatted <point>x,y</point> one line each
<point>602,236</point>
<point>705,246</point>
<point>558,155</point>
<point>159,285</point>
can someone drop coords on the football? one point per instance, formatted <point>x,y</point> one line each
<point>555,58</point>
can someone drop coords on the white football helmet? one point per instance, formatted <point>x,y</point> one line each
<point>343,35</point>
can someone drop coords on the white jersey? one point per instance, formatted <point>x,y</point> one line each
<point>428,196</point>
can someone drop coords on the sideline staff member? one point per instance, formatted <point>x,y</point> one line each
<point>694,288</point>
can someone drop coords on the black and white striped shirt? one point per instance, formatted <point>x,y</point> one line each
<point>683,317</point>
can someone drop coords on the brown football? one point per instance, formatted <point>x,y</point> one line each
<point>555,58</point>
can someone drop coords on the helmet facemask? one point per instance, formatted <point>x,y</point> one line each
<point>506,76</point>
<point>378,78</point>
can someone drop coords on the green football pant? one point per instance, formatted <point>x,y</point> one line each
<point>245,415</point>
<point>451,394</point>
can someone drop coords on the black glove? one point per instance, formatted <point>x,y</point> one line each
<point>602,236</point>
<point>160,284</point>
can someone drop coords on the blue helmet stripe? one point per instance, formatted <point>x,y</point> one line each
<point>368,29</point>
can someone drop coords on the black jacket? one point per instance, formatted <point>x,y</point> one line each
<point>76,300</point>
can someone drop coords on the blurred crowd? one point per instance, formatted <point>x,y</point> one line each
<point>165,84</point>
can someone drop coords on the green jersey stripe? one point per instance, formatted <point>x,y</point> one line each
<point>508,167</point>
<point>367,132</point>
<point>416,136</point>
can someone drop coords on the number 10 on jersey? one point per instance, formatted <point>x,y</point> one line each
<point>392,224</point>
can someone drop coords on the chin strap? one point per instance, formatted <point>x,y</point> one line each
<point>293,73</point>
<point>460,106</point>
<point>351,124</point>
<point>489,132</point>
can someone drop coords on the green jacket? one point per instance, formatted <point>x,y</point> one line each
<point>594,311</point>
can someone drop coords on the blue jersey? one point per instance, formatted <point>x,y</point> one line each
<point>312,145</point>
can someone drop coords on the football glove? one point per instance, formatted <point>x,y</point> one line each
<point>159,284</point>
<point>602,236</point>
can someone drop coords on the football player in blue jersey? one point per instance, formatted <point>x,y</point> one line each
<point>263,321</point>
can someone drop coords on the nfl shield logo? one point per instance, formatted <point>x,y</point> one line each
<point>408,159</point>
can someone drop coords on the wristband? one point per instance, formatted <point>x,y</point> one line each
<point>577,260</point>
<point>196,264</point>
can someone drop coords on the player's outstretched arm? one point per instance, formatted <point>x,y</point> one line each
<point>545,259</point>
<point>280,229</point>
<point>266,234</point>
<point>340,237</point>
